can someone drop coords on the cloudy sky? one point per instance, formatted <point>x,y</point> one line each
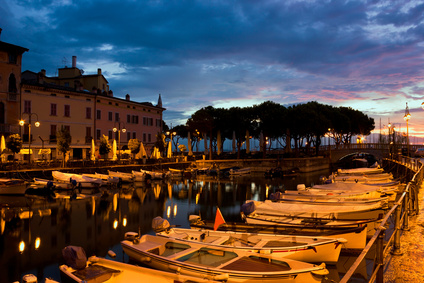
<point>364,54</point>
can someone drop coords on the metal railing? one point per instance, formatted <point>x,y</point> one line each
<point>405,205</point>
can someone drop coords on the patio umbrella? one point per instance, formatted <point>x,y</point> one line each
<point>169,151</point>
<point>114,150</point>
<point>142,150</point>
<point>219,143</point>
<point>247,142</point>
<point>93,150</point>
<point>190,150</point>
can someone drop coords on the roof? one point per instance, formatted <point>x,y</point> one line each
<point>11,47</point>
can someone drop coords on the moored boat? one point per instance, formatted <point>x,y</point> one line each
<point>97,269</point>
<point>305,248</point>
<point>80,180</point>
<point>12,186</point>
<point>216,263</point>
<point>122,176</point>
<point>354,234</point>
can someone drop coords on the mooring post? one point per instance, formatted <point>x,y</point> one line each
<point>379,256</point>
<point>406,201</point>
<point>396,245</point>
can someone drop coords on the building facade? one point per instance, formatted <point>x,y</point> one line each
<point>83,104</point>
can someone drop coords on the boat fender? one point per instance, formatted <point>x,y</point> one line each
<point>266,252</point>
<point>177,269</point>
<point>221,277</point>
<point>321,272</point>
<point>111,253</point>
<point>301,187</point>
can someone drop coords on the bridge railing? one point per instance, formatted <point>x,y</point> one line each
<point>405,205</point>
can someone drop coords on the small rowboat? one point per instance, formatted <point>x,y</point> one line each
<point>124,177</point>
<point>98,269</point>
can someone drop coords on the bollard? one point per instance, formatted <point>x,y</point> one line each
<point>406,211</point>
<point>396,245</point>
<point>379,256</point>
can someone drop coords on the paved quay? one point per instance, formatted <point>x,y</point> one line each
<point>409,266</point>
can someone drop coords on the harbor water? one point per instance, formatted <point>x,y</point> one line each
<point>34,230</point>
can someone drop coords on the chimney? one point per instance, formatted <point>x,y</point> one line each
<point>99,71</point>
<point>43,72</point>
<point>74,61</point>
<point>127,97</point>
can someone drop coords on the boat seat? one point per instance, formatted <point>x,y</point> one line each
<point>220,240</point>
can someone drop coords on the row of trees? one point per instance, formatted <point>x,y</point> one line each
<point>296,126</point>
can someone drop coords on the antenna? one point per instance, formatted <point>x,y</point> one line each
<point>64,61</point>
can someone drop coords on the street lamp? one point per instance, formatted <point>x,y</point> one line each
<point>170,136</point>
<point>37,124</point>
<point>406,118</point>
<point>119,129</point>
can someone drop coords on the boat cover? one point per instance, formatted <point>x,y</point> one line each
<point>248,207</point>
<point>159,224</point>
<point>74,257</point>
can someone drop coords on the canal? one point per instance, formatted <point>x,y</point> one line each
<point>34,230</point>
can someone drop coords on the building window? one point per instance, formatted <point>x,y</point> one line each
<point>53,109</point>
<point>110,116</point>
<point>67,111</point>
<point>13,58</point>
<point>99,114</point>
<point>144,137</point>
<point>12,84</point>
<point>134,135</point>
<point>88,113</point>
<point>110,134</point>
<point>135,119</point>
<point>128,136</point>
<point>116,117</point>
<point>128,118</point>
<point>87,134</point>
<point>27,106</point>
<point>98,134</point>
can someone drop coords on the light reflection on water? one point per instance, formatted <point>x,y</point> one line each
<point>98,223</point>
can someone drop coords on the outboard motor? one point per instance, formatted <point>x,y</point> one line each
<point>159,224</point>
<point>74,257</point>
<point>248,207</point>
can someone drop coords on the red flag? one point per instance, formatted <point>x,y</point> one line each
<point>218,219</point>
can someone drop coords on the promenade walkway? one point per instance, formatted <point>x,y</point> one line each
<point>409,266</point>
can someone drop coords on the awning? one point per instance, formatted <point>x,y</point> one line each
<point>44,151</point>
<point>25,151</point>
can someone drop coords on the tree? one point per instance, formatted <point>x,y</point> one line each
<point>160,142</point>
<point>134,146</point>
<point>64,140</point>
<point>14,143</point>
<point>104,147</point>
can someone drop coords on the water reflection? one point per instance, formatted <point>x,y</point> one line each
<point>35,230</point>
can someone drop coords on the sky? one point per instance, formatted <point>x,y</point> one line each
<point>367,55</point>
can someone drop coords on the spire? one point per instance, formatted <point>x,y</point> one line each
<point>159,101</point>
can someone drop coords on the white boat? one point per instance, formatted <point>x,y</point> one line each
<point>360,171</point>
<point>368,179</point>
<point>12,186</point>
<point>155,175</point>
<point>195,259</point>
<point>304,248</point>
<point>240,171</point>
<point>323,211</point>
<point>57,185</point>
<point>104,270</point>
<point>138,176</point>
<point>106,179</point>
<point>124,177</point>
<point>355,234</point>
<point>78,179</point>
<point>176,172</point>
<point>325,198</point>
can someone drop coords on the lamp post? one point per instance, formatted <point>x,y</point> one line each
<point>390,145</point>
<point>170,137</point>
<point>406,118</point>
<point>119,129</point>
<point>22,123</point>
